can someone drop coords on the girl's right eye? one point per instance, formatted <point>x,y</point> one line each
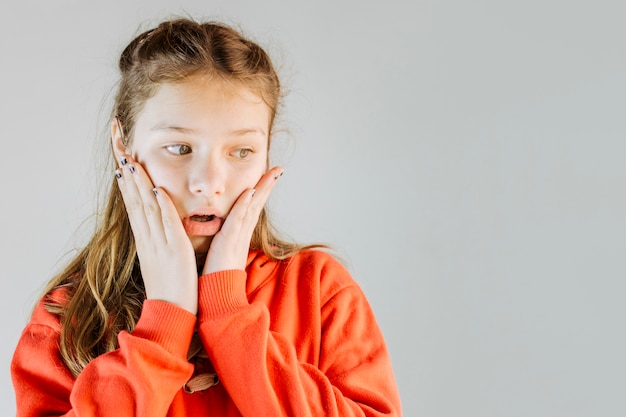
<point>179,149</point>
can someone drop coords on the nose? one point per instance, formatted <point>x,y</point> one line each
<point>207,177</point>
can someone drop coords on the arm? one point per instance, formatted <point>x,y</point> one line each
<point>262,373</point>
<point>141,377</point>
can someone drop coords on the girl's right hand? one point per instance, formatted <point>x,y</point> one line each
<point>166,255</point>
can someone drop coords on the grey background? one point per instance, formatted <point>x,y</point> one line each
<point>465,158</point>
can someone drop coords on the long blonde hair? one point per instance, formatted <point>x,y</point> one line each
<point>102,286</point>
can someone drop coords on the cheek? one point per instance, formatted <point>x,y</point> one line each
<point>246,179</point>
<point>164,176</point>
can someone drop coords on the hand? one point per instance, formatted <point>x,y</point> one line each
<point>166,255</point>
<point>230,246</point>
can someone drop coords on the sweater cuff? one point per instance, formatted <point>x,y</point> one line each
<point>221,293</point>
<point>166,324</point>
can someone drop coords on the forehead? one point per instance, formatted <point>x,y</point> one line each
<point>205,103</point>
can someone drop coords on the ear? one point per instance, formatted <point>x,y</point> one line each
<point>117,139</point>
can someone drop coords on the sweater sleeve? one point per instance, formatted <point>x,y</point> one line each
<point>141,377</point>
<point>260,368</point>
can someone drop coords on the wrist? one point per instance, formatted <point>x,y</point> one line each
<point>167,325</point>
<point>221,293</point>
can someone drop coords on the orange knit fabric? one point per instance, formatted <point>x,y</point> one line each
<point>290,338</point>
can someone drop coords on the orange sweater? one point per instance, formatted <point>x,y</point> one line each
<point>291,338</point>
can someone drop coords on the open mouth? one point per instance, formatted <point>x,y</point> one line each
<point>202,219</point>
<point>203,223</point>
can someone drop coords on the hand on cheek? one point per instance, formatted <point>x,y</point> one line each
<point>166,256</point>
<point>230,246</point>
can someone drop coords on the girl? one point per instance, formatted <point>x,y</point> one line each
<point>184,302</point>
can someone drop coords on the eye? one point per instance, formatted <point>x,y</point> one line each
<point>179,149</point>
<point>242,153</point>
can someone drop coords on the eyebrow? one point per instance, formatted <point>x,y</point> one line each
<point>242,132</point>
<point>166,127</point>
<point>186,130</point>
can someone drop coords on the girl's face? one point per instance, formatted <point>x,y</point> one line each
<point>203,142</point>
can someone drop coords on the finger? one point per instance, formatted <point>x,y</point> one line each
<point>143,188</point>
<point>123,160</point>
<point>229,248</point>
<point>269,178</point>
<point>172,225</point>
<point>246,210</point>
<point>263,188</point>
<point>143,210</point>
<point>239,212</point>
<point>132,202</point>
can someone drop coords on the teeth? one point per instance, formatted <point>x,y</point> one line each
<point>202,218</point>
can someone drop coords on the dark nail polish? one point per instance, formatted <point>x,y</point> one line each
<point>131,169</point>
<point>155,191</point>
<point>253,193</point>
<point>118,174</point>
<point>123,161</point>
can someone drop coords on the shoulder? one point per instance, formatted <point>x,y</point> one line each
<point>315,258</point>
<point>313,267</point>
<point>312,274</point>
<point>319,263</point>
<point>42,316</point>
<point>309,263</point>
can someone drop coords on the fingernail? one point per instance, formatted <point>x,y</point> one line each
<point>155,191</point>
<point>118,174</point>
<point>278,175</point>
<point>123,161</point>
<point>253,193</point>
<point>131,169</point>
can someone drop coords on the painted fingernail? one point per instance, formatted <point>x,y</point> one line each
<point>131,169</point>
<point>124,161</point>
<point>278,175</point>
<point>118,174</point>
<point>253,193</point>
<point>155,191</point>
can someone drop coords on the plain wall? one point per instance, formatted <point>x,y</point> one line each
<point>465,158</point>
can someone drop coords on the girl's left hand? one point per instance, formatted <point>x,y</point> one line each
<point>230,246</point>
